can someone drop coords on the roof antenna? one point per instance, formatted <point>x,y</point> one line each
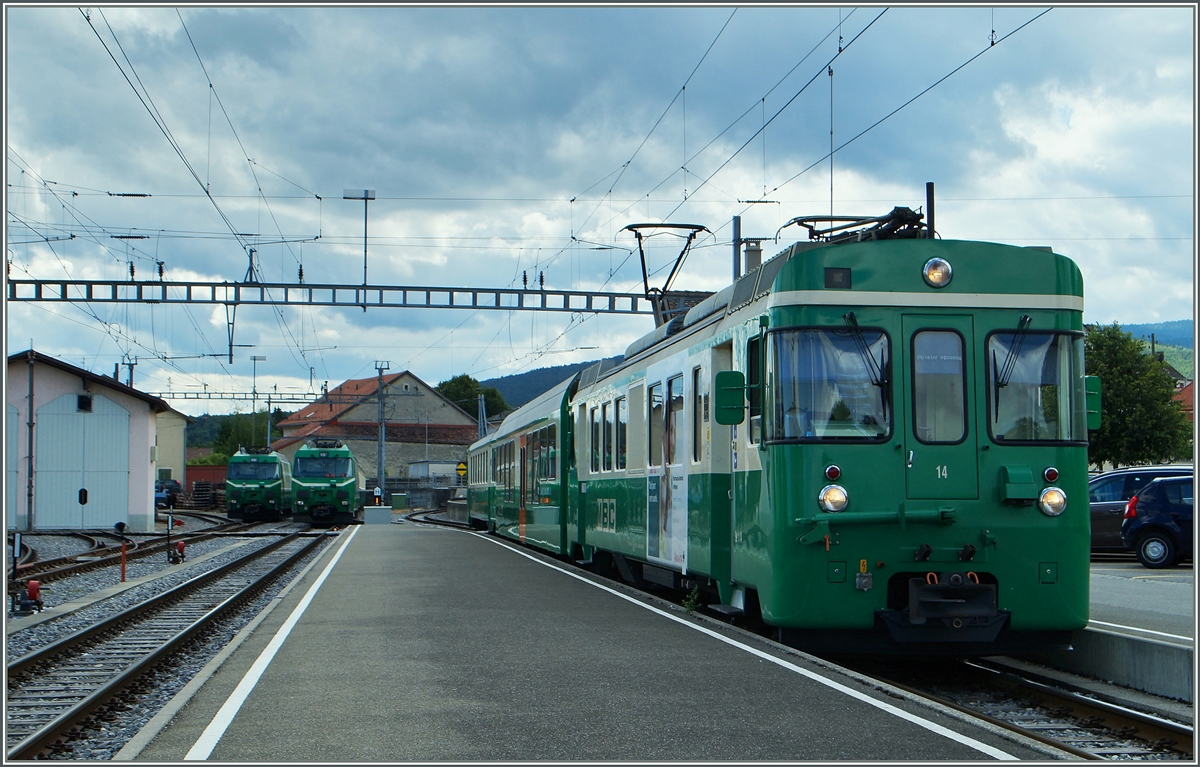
<point>930,231</point>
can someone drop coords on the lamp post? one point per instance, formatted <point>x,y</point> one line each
<point>365,195</point>
<point>254,360</point>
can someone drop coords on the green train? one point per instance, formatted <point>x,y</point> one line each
<point>875,441</point>
<point>330,487</point>
<point>258,485</point>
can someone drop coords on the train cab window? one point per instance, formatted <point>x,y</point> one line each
<point>622,431</point>
<point>675,431</point>
<point>697,421</point>
<point>1036,387</point>
<point>607,414</point>
<point>754,387</point>
<point>829,385</point>
<point>655,422</point>
<point>939,391</point>
<point>595,432</point>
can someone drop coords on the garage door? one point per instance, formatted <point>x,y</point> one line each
<point>81,448</point>
<point>10,468</point>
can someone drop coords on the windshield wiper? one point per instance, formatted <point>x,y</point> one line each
<point>1003,374</point>
<point>874,369</point>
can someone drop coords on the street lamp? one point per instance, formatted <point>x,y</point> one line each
<point>254,360</point>
<point>365,195</point>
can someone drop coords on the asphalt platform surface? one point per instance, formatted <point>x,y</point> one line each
<point>426,644</point>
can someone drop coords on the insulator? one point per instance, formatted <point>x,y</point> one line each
<point>525,279</point>
<point>131,270</point>
<point>160,270</point>
<point>542,280</point>
<point>301,272</point>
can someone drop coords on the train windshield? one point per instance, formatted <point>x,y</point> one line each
<point>830,385</point>
<point>321,467</point>
<point>1036,392</point>
<point>249,470</point>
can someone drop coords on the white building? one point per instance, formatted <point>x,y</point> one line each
<point>91,461</point>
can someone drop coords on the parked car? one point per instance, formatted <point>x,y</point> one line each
<point>166,492</point>
<point>1109,492</point>
<point>1158,522</point>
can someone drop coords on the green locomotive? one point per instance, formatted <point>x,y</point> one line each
<point>258,485</point>
<point>874,441</point>
<point>330,488</point>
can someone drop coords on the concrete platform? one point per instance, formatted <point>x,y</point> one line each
<point>1142,633</point>
<point>432,644</point>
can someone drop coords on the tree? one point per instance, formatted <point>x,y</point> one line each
<point>1140,421</point>
<point>241,430</point>
<point>464,391</point>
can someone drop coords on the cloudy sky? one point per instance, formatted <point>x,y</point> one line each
<point>508,141</point>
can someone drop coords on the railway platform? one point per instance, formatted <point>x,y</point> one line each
<point>1141,635</point>
<point>407,643</point>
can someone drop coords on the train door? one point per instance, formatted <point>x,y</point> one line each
<point>522,484</point>
<point>940,436</point>
<point>720,448</point>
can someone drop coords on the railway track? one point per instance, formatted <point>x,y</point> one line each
<point>61,691</point>
<point>105,555</point>
<point>1046,712</point>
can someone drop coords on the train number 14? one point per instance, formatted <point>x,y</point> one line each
<point>942,472</point>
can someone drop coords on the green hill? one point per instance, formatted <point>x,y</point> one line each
<point>1183,360</point>
<point>1176,333</point>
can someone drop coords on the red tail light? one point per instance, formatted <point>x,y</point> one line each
<point>1131,508</point>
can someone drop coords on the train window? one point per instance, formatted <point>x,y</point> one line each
<point>595,413</point>
<point>829,385</point>
<point>697,422</point>
<point>675,421</point>
<point>754,387</point>
<point>622,431</point>
<point>551,451</point>
<point>1036,387</point>
<point>535,454</point>
<point>939,390</point>
<point>608,418</point>
<point>655,422</point>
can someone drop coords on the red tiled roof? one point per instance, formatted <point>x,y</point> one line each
<point>1184,397</point>
<point>350,394</point>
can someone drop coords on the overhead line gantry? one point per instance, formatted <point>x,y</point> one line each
<point>234,294</point>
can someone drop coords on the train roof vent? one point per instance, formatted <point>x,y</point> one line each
<point>655,336</point>
<point>743,289</point>
<point>590,374</point>
<point>327,443</point>
<point>768,272</point>
<point>709,306</point>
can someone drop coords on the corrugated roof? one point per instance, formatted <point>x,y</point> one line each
<point>158,405</point>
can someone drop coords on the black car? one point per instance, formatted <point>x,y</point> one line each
<point>166,492</point>
<point>1158,522</point>
<point>1109,492</point>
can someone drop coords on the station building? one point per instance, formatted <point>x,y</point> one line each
<point>92,447</point>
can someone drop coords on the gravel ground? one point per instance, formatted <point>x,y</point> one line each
<point>77,586</point>
<point>112,736</point>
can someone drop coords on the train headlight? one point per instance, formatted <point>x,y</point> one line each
<point>833,498</point>
<point>937,272</point>
<point>1052,501</point>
